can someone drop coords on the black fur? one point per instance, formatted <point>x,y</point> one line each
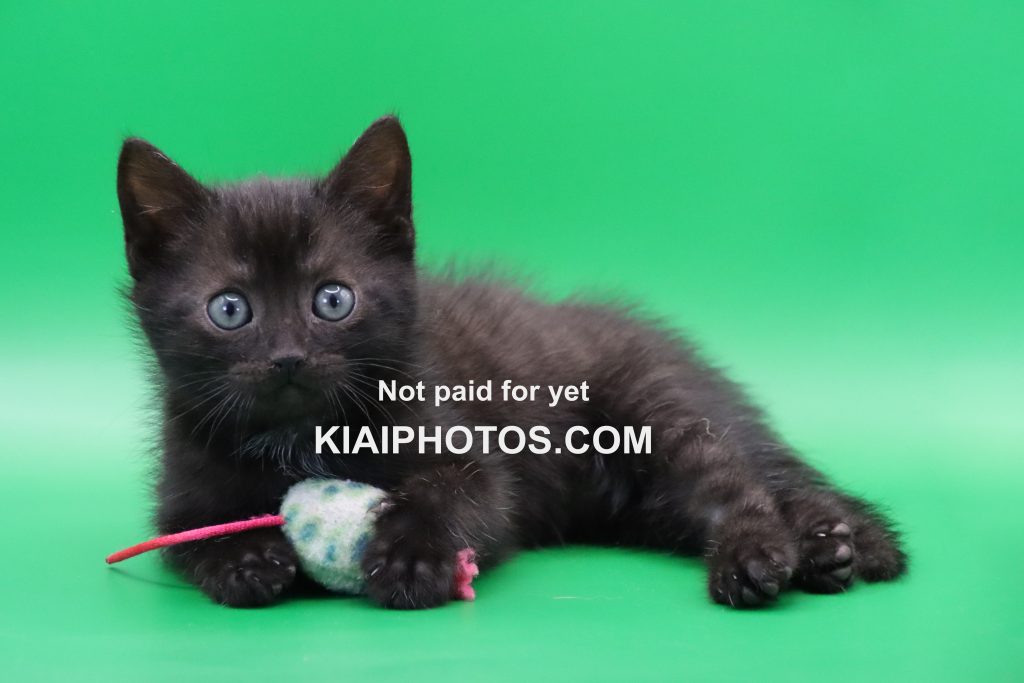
<point>236,435</point>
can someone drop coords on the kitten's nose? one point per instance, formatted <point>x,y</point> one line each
<point>288,364</point>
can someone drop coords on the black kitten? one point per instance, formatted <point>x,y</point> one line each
<point>273,306</point>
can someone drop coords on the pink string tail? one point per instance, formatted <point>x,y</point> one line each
<point>196,535</point>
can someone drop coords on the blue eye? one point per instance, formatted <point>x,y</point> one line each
<point>229,310</point>
<point>334,302</point>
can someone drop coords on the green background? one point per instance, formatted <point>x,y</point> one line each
<point>827,195</point>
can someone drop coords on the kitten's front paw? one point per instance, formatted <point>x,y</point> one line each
<point>409,564</point>
<point>749,573</point>
<point>247,572</point>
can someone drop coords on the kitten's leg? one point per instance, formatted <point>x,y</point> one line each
<point>410,562</point>
<point>706,496</point>
<point>250,569</point>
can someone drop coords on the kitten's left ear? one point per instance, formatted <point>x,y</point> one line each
<point>376,176</point>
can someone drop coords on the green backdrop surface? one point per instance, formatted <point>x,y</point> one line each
<point>827,195</point>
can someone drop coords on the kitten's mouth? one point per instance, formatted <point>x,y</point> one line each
<point>292,385</point>
<point>290,399</point>
<point>292,393</point>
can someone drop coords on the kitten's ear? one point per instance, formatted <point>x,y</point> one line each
<point>158,198</point>
<point>376,175</point>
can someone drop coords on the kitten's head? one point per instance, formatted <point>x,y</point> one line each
<point>272,303</point>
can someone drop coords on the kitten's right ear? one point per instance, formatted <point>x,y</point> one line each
<point>158,199</point>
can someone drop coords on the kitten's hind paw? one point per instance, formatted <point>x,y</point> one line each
<point>826,558</point>
<point>749,574</point>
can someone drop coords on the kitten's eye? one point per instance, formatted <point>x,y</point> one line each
<point>229,310</point>
<point>334,302</point>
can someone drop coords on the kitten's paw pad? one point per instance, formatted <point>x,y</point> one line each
<point>407,571</point>
<point>827,553</point>
<point>253,577</point>
<point>753,576</point>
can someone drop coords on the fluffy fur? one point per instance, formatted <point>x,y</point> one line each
<point>239,406</point>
